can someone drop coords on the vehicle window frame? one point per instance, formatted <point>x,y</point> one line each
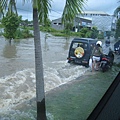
<point>77,44</point>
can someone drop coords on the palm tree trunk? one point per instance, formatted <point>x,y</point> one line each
<point>40,93</point>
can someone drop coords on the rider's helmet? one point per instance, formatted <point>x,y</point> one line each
<point>99,43</point>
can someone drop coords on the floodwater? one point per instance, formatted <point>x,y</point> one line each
<point>17,69</point>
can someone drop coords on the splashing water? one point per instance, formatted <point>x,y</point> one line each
<point>19,87</point>
<point>17,76</point>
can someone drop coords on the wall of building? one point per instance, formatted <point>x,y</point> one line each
<point>101,20</point>
<point>57,24</point>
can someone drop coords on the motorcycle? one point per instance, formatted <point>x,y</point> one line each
<point>106,61</point>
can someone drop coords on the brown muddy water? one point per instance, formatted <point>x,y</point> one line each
<point>17,71</point>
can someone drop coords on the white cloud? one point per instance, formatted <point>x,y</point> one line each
<point>107,6</point>
<point>102,5</point>
<point>24,9</point>
<point>58,5</point>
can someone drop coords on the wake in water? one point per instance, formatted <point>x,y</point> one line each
<point>19,87</point>
<point>16,88</point>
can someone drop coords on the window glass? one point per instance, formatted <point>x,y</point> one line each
<point>74,45</point>
<point>80,44</point>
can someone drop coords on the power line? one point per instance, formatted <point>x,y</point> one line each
<point>31,11</point>
<point>48,15</point>
<point>55,11</point>
<point>52,15</point>
<point>23,9</point>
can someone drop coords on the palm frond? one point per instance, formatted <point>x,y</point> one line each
<point>44,7</point>
<point>7,5</point>
<point>3,6</point>
<point>12,6</point>
<point>116,11</point>
<point>71,9</point>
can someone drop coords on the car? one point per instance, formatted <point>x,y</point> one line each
<point>80,50</point>
<point>117,47</point>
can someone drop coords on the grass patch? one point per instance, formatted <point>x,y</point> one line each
<point>76,100</point>
<point>72,101</point>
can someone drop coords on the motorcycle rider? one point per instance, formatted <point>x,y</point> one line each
<point>96,55</point>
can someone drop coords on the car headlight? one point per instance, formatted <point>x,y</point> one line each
<point>116,48</point>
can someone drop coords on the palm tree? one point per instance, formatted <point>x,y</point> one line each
<point>12,6</point>
<point>3,6</point>
<point>117,11</point>
<point>40,13</point>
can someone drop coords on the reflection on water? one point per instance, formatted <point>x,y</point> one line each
<point>9,51</point>
<point>46,46</point>
<point>66,45</point>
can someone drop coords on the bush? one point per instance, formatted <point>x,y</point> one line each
<point>10,23</point>
<point>100,36</point>
<point>75,34</point>
<point>47,29</point>
<point>88,34</point>
<point>94,32</point>
<point>25,33</point>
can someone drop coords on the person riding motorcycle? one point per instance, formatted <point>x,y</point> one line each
<point>96,55</point>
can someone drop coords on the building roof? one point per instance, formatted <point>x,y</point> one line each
<point>77,19</point>
<point>95,12</point>
<point>58,19</point>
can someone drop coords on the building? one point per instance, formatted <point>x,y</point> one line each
<point>103,21</point>
<point>57,24</point>
<point>90,14</point>
<point>78,23</point>
<point>100,19</point>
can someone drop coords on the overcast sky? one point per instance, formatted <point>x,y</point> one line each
<point>107,6</point>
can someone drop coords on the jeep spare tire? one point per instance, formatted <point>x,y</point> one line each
<point>79,52</point>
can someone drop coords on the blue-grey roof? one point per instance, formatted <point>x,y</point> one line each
<point>85,40</point>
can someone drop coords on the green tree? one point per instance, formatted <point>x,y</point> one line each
<point>11,20</point>
<point>40,10</point>
<point>71,9</point>
<point>84,31</point>
<point>116,12</point>
<point>68,27</point>
<point>117,32</point>
<point>90,33</point>
<point>11,23</point>
<point>94,32</point>
<point>47,24</point>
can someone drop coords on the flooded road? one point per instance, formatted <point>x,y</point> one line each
<point>17,71</point>
<point>17,68</point>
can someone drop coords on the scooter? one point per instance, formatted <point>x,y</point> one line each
<point>106,61</point>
